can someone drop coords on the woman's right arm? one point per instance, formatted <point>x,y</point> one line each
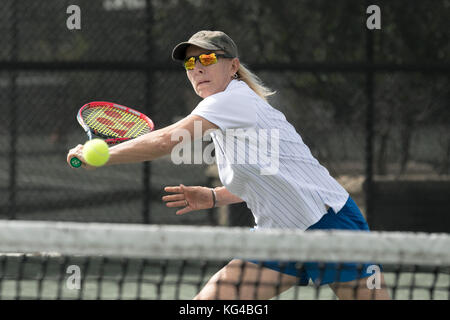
<point>152,145</point>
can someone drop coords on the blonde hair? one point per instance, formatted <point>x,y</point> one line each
<point>254,82</point>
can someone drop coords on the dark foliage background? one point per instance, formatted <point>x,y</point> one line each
<point>370,104</point>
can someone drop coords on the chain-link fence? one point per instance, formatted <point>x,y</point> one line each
<point>371,104</point>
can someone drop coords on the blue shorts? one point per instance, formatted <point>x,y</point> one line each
<point>348,218</point>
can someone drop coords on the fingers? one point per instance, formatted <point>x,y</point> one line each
<point>178,189</point>
<point>175,200</point>
<point>182,203</point>
<point>173,197</point>
<point>178,199</point>
<point>183,211</point>
<point>78,153</point>
<point>173,189</point>
<point>75,152</point>
<point>175,204</point>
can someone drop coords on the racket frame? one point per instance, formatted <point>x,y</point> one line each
<point>92,133</point>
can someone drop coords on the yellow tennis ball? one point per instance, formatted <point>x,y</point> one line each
<point>96,152</point>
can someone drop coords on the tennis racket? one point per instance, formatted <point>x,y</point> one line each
<point>111,122</point>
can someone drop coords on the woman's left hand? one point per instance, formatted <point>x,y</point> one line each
<point>190,198</point>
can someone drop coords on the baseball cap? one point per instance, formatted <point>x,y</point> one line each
<point>206,39</point>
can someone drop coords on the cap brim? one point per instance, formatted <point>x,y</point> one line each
<point>179,52</point>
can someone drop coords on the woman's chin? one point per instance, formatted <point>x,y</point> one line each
<point>204,93</point>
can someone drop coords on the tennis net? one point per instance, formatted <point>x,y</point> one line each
<point>63,260</point>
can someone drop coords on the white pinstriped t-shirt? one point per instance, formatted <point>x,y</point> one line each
<point>263,160</point>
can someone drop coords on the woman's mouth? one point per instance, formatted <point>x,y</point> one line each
<point>202,82</point>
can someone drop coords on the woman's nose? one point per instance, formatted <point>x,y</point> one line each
<point>199,67</point>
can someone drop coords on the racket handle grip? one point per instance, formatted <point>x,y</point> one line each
<point>75,162</point>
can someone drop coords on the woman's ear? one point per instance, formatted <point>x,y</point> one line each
<point>235,65</point>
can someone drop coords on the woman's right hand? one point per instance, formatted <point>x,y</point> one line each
<point>190,198</point>
<point>78,152</point>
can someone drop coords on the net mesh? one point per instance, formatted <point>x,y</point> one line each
<point>60,260</point>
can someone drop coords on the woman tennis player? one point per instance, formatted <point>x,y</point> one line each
<point>297,193</point>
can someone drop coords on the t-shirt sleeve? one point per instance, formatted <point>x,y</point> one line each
<point>228,111</point>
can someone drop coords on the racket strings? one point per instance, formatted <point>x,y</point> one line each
<point>141,127</point>
<point>115,123</point>
<point>104,121</point>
